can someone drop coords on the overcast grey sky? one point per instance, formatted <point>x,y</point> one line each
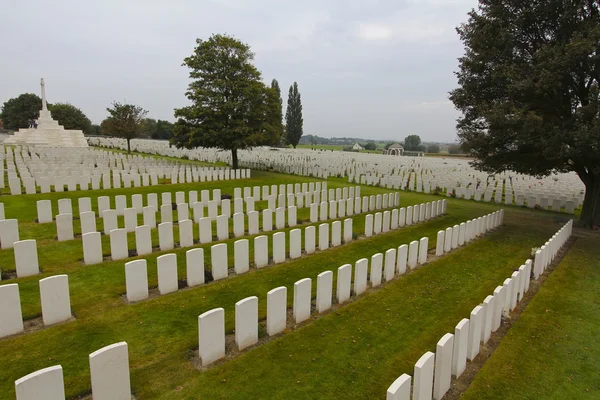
<point>365,68</point>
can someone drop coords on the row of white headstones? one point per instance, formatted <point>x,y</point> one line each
<point>109,366</point>
<point>103,179</point>
<point>55,299</point>
<point>448,174</point>
<point>433,372</point>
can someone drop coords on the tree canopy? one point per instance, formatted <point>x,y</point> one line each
<point>164,130</point>
<point>433,148</point>
<point>125,121</point>
<point>18,111</point>
<point>370,146</point>
<point>70,117</point>
<point>293,116</point>
<point>277,115</point>
<point>231,108</point>
<point>412,143</point>
<point>529,90</point>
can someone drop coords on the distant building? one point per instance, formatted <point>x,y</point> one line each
<point>357,147</point>
<point>394,150</point>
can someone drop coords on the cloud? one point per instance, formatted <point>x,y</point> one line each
<point>374,31</point>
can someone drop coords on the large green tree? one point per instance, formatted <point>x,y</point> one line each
<point>529,90</point>
<point>293,116</point>
<point>124,121</point>
<point>231,107</point>
<point>70,117</point>
<point>148,127</point>
<point>412,143</point>
<point>18,111</point>
<point>164,130</point>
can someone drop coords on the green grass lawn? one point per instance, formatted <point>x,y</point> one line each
<point>162,332</point>
<point>553,350</point>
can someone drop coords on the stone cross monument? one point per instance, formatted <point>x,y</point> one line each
<point>44,105</point>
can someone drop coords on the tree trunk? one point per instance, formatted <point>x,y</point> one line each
<point>590,214</point>
<point>234,159</point>
<point>294,145</point>
<point>128,146</point>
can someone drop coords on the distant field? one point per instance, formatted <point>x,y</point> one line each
<point>335,148</point>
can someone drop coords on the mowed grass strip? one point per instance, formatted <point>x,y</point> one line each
<point>553,350</point>
<point>162,332</point>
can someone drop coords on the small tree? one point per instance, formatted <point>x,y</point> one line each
<point>125,121</point>
<point>70,117</point>
<point>412,143</point>
<point>293,116</point>
<point>370,146</point>
<point>455,149</point>
<point>433,148</point>
<point>17,112</point>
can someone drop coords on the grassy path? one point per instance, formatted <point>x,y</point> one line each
<point>553,350</point>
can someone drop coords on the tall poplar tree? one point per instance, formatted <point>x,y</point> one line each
<point>293,116</point>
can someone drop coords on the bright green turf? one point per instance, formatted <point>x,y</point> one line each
<point>162,332</point>
<point>553,350</point>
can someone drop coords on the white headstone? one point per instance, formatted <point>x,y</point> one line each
<point>324,291</point>
<point>109,370</point>
<point>276,310</point>
<point>46,384</point>
<point>11,319</point>
<point>55,299</point>
<point>423,373</point>
<point>302,294</point>
<point>246,322</point>
<point>218,257</point>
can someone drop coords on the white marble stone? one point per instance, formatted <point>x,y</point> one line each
<point>43,384</point>
<point>409,215</point>
<point>443,366</point>
<point>88,222</point>
<point>402,217</point>
<point>194,262</point>
<point>276,310</point>
<point>267,219</point>
<point>11,319</point>
<point>475,324</point>
<point>368,225</point>
<point>423,375</point>
<point>460,347</point>
<point>64,227</point>
<point>44,211</point>
<point>423,247</point>
<point>109,219</point>
<point>295,243</point>
<point>279,249</point>
<point>92,248</point>
<point>211,336</point>
<point>241,251</point>
<point>109,371</point>
<point>323,236</point>
<point>165,236</point>
<point>488,318</point>
<point>186,233</point>
<point>389,270</point>
<point>136,280</point>
<point>55,299</point>
<point>167,273</point>
<point>26,258</point>
<point>377,223</point>
<point>246,322</point>
<point>360,276</point>
<point>205,230</point>
<point>218,257</point>
<point>309,239</point>
<point>65,206</point>
<point>400,389</point>
<point>324,291</point>
<point>376,269</point>
<point>448,240</point>
<point>413,252</point>
<point>344,283</point>
<point>261,251</point>
<point>302,297</point>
